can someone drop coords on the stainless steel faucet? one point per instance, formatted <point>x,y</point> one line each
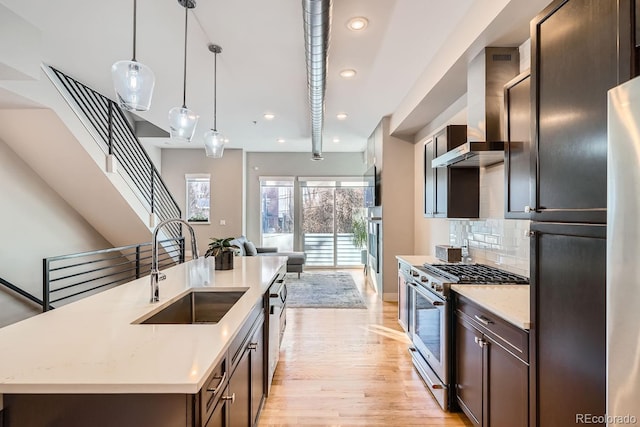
<point>156,276</point>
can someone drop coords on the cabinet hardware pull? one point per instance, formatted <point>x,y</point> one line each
<point>253,346</point>
<point>222,379</point>
<point>476,339</point>
<point>481,343</point>
<point>483,320</point>
<point>527,209</point>
<point>232,398</point>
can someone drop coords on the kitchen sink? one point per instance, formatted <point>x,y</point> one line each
<point>196,307</point>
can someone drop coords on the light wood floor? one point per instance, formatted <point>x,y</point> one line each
<point>349,367</point>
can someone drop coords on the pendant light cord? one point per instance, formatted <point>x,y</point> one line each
<point>135,4</point>
<point>215,89</point>
<point>184,80</point>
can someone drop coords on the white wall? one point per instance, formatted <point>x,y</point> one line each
<point>226,189</point>
<point>35,222</point>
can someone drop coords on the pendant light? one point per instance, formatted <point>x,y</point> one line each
<point>182,121</point>
<point>213,141</point>
<point>133,81</point>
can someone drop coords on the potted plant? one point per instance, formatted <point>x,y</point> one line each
<point>223,251</point>
<point>359,230</point>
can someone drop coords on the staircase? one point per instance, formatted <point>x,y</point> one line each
<point>87,151</point>
<point>82,145</point>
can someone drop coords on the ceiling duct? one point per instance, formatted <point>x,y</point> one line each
<point>317,24</point>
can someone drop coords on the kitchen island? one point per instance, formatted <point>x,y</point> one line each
<point>97,347</point>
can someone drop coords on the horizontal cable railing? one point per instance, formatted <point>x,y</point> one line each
<point>68,277</point>
<point>320,251</point>
<point>116,137</point>
<point>20,291</point>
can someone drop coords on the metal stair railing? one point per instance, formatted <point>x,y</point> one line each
<point>20,291</point>
<point>115,135</point>
<point>68,276</point>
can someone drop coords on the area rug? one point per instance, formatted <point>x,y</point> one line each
<point>323,290</point>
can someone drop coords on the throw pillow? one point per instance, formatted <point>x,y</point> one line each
<point>250,249</point>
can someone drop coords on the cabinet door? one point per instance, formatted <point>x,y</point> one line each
<point>517,153</point>
<point>218,417</point>
<point>508,388</point>
<point>440,176</point>
<point>469,370</point>
<point>580,50</point>
<point>429,179</point>
<point>257,355</point>
<point>240,391</point>
<point>568,310</point>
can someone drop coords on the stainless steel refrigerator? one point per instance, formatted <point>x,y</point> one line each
<point>623,255</point>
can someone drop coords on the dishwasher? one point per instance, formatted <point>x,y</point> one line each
<point>277,322</point>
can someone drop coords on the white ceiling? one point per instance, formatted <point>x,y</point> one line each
<point>262,66</point>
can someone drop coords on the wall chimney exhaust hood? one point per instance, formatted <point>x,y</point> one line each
<point>487,75</point>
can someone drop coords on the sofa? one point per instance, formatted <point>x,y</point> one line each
<point>295,260</point>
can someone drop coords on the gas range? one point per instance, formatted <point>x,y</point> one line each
<point>439,277</point>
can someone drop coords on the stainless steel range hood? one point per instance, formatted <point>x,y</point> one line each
<point>487,75</point>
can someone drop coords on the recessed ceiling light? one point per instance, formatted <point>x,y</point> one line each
<point>269,116</point>
<point>341,116</point>
<point>280,140</point>
<point>336,140</point>
<point>358,23</point>
<point>347,73</point>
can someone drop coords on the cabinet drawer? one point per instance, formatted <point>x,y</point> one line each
<point>237,345</point>
<point>512,338</point>
<point>213,387</point>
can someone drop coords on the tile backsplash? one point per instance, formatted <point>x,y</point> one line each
<point>502,243</point>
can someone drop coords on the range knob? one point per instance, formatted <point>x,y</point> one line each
<point>414,273</point>
<point>438,287</point>
<point>424,279</point>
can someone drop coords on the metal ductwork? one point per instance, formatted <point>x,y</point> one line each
<point>317,24</point>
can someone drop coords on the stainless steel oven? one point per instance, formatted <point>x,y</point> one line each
<point>430,338</point>
<point>431,319</point>
<point>277,323</point>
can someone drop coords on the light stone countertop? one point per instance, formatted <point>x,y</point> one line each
<point>511,302</point>
<point>91,346</point>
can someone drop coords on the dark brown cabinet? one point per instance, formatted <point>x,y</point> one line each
<point>517,150</point>
<point>258,372</point>
<point>568,277</point>
<point>246,383</point>
<point>429,179</point>
<point>450,192</point>
<point>580,50</point>
<point>232,395</point>
<point>218,417</point>
<point>491,367</point>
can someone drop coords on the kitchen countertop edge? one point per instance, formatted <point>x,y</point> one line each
<point>145,359</point>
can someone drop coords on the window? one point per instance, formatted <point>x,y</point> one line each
<point>198,193</point>
<point>277,212</point>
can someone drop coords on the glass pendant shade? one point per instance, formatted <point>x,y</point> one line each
<point>133,83</point>
<point>182,123</point>
<point>213,144</point>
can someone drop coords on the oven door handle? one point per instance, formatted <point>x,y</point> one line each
<point>425,295</point>
<point>431,384</point>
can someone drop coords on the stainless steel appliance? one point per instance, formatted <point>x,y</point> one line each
<point>623,254</point>
<point>430,317</point>
<point>277,323</point>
